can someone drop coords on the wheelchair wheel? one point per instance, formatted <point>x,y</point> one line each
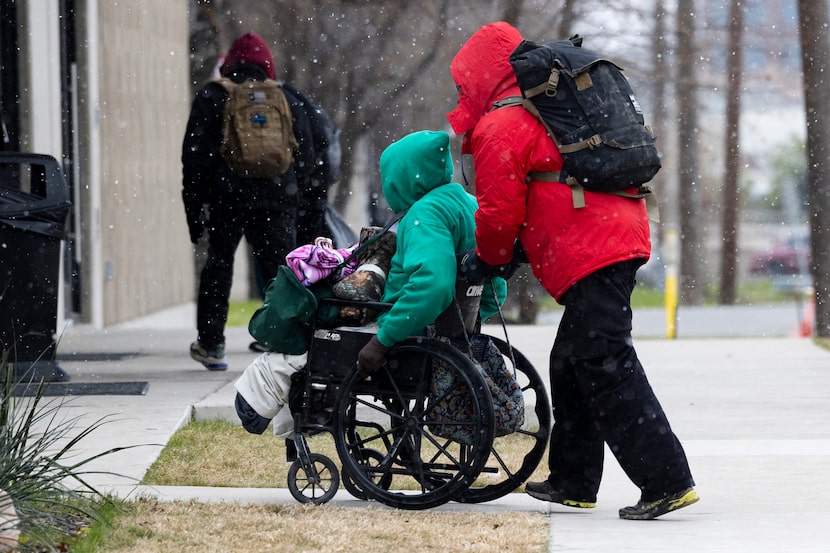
<point>514,457</point>
<point>315,483</point>
<point>427,457</point>
<point>372,458</point>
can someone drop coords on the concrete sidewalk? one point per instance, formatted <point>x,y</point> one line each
<point>753,414</point>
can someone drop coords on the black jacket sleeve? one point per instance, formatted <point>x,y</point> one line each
<point>201,161</point>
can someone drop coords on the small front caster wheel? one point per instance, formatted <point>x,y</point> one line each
<point>314,481</point>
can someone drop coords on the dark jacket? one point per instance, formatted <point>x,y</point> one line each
<point>208,179</point>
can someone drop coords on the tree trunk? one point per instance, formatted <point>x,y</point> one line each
<point>692,286</point>
<point>813,18</point>
<point>567,14</point>
<point>660,120</point>
<point>511,11</point>
<point>731,182</point>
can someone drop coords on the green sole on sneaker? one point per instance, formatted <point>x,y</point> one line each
<point>651,510</point>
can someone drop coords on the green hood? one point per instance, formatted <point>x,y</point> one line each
<point>439,225</point>
<point>414,165</point>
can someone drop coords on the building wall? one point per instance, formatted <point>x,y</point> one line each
<point>143,102</point>
<point>41,93</point>
<point>104,88</point>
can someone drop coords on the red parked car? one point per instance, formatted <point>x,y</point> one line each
<point>791,256</point>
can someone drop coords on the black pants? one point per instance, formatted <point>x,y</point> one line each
<point>601,395</point>
<point>271,234</point>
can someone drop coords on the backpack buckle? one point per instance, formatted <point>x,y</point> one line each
<point>553,83</point>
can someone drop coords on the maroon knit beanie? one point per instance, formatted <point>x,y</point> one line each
<point>250,48</point>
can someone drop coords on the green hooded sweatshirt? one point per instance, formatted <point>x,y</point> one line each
<point>416,173</point>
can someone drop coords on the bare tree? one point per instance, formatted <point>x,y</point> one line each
<point>512,11</point>
<point>568,18</point>
<point>815,42</point>
<point>691,257</point>
<point>205,49</point>
<point>731,179</point>
<point>661,117</point>
<point>360,61</point>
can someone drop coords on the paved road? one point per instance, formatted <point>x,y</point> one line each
<point>773,320</point>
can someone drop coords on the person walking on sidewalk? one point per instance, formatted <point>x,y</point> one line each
<point>230,204</point>
<point>586,259</point>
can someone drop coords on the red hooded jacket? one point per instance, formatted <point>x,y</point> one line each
<point>563,244</point>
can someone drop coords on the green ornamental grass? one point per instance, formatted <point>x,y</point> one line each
<point>50,494</point>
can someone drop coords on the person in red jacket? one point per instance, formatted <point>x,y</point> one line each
<point>586,258</point>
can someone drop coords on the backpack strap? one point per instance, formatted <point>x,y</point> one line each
<point>644,192</point>
<point>577,192</point>
<point>510,101</point>
<point>227,84</point>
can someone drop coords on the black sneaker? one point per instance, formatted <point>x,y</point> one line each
<point>544,491</point>
<point>647,510</point>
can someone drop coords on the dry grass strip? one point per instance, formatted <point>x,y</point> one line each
<point>219,453</point>
<point>150,526</point>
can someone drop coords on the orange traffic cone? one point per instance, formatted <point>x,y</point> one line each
<point>804,329</point>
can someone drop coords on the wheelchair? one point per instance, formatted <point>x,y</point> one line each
<point>392,446</point>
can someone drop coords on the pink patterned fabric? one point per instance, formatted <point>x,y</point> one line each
<point>314,262</point>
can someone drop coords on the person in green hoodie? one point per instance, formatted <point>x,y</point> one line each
<point>439,225</point>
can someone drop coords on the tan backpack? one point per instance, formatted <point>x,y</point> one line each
<point>258,136</point>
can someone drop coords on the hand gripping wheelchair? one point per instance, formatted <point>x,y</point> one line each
<point>394,446</point>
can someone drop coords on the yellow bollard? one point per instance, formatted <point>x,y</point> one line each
<point>672,247</point>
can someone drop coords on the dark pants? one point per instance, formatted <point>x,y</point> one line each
<point>601,395</point>
<point>271,234</point>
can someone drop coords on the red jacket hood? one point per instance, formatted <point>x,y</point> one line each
<point>482,73</point>
<point>250,48</point>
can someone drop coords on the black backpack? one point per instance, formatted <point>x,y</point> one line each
<point>325,136</point>
<point>591,112</point>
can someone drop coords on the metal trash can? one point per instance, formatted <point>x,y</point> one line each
<point>34,207</point>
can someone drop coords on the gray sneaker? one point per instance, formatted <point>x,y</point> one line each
<point>212,359</point>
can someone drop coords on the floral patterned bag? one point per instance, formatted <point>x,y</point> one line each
<point>456,406</point>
